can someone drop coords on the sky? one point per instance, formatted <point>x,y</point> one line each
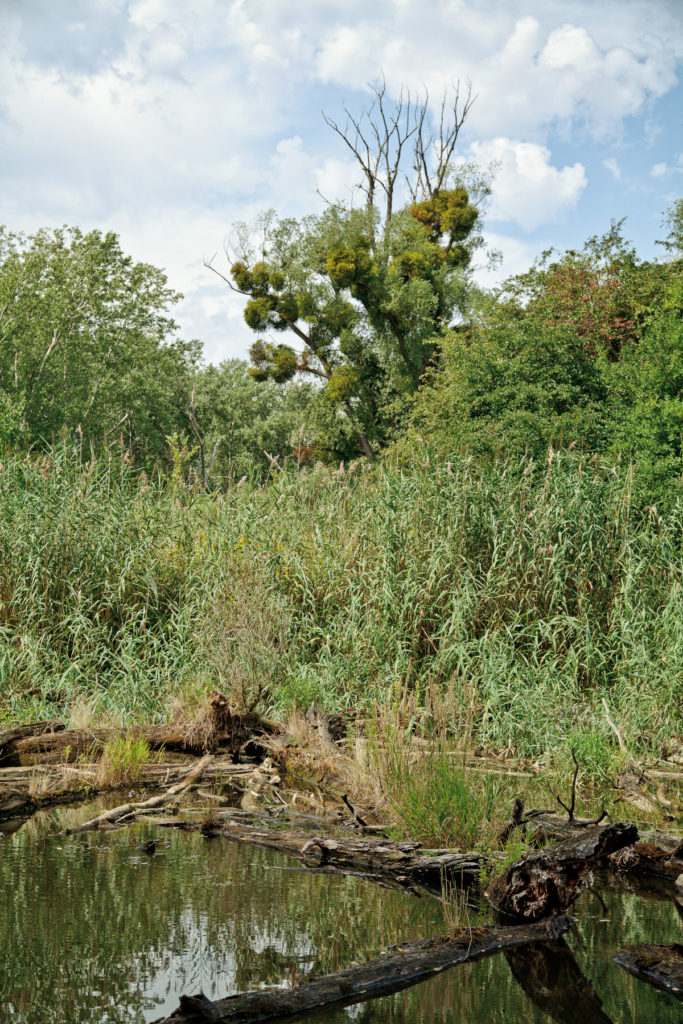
<point>167,122</point>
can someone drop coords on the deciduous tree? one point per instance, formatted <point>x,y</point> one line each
<point>367,293</point>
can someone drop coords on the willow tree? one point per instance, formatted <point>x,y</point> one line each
<point>363,295</point>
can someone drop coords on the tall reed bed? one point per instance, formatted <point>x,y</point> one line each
<point>525,593</point>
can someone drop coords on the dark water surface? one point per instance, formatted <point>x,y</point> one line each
<point>92,930</point>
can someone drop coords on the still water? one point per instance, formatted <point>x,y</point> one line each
<point>93,930</point>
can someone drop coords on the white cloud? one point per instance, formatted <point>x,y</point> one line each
<point>300,176</point>
<point>166,123</point>
<point>528,73</point>
<point>663,170</point>
<point>517,256</point>
<point>613,167</point>
<point>527,189</point>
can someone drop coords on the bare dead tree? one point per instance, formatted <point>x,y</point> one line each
<point>388,131</point>
<point>435,144</point>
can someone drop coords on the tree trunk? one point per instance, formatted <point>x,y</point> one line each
<point>548,881</point>
<point>401,967</point>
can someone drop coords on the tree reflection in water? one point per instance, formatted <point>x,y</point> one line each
<point>92,930</point>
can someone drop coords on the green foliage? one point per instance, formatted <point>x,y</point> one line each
<point>434,800</point>
<point>514,389</point>
<point>647,408</point>
<point>241,419</point>
<point>86,343</point>
<point>448,215</point>
<point>673,243</point>
<point>581,351</point>
<point>525,594</point>
<point>123,760</point>
<point>366,302</point>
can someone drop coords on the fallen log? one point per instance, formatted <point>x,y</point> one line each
<point>115,814</point>
<point>400,967</point>
<point>661,966</point>
<point>548,881</point>
<point>400,861</point>
<point>74,744</point>
<point>654,855</point>
<point>19,732</point>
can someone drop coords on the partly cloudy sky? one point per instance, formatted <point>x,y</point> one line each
<point>167,121</point>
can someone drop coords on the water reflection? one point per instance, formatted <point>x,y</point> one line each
<point>553,980</point>
<point>92,929</point>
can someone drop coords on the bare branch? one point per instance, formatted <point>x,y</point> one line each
<point>208,263</point>
<point>379,137</point>
<point>434,150</point>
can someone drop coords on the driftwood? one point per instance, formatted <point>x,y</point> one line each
<point>661,966</point>
<point>653,855</point>
<point>74,744</point>
<point>25,790</point>
<point>400,861</point>
<point>116,814</point>
<point>548,881</point>
<point>401,966</point>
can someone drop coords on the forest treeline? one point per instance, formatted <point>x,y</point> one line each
<point>370,332</point>
<point>494,522</point>
<point>583,351</point>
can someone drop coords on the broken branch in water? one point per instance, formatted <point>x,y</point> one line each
<point>123,811</point>
<point>402,966</point>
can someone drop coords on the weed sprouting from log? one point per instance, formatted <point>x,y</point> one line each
<point>123,760</point>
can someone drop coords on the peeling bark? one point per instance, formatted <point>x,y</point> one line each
<point>548,881</point>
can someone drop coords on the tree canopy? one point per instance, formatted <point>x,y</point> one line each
<point>87,344</point>
<point>367,293</point>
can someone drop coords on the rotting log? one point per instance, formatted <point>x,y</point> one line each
<point>661,966</point>
<point>20,732</point>
<point>8,737</point>
<point>404,862</point>
<point>400,967</point>
<point>55,748</point>
<point>654,855</point>
<point>74,744</point>
<point>548,881</point>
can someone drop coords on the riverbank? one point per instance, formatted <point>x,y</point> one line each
<point>521,610</point>
<point>296,789</point>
